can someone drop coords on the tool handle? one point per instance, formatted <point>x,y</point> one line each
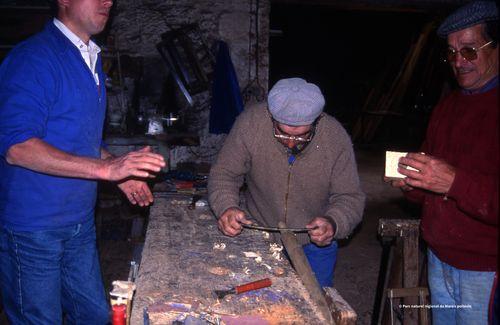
<point>253,285</point>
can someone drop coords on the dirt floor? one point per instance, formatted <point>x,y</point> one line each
<point>359,257</point>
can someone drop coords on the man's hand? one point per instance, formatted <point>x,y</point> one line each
<point>230,222</point>
<point>398,183</point>
<point>432,174</point>
<point>323,234</point>
<point>140,163</point>
<point>137,192</point>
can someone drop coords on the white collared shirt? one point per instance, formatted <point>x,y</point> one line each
<point>88,52</point>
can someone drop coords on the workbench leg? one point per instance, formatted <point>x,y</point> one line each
<point>395,269</point>
<point>410,279</point>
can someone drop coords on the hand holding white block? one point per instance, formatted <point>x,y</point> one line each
<point>391,164</point>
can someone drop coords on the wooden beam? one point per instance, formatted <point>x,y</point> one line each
<point>342,312</point>
<point>398,227</point>
<point>303,269</point>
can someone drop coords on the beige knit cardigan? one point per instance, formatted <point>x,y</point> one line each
<point>323,180</point>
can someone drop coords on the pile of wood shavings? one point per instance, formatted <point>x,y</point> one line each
<point>275,250</point>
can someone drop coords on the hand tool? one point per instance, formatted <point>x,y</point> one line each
<point>303,269</point>
<point>219,294</point>
<point>270,229</point>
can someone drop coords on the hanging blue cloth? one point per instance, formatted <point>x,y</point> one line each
<point>227,103</point>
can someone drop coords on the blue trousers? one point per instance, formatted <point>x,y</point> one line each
<point>458,296</point>
<point>322,261</point>
<point>44,274</point>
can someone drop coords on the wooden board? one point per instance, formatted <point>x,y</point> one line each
<point>180,268</point>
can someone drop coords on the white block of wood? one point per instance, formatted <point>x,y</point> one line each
<point>391,164</point>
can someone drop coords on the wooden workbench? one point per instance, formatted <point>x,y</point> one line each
<point>183,262</point>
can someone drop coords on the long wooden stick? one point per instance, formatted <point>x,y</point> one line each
<point>303,269</point>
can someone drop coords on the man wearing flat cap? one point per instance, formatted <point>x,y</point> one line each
<point>299,168</point>
<point>457,172</point>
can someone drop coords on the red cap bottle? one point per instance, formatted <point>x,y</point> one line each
<point>119,314</point>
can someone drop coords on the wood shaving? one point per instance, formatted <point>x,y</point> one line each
<point>275,250</point>
<point>251,254</point>
<point>219,270</point>
<point>267,266</point>
<point>219,246</point>
<point>279,271</point>
<point>275,247</point>
<point>258,258</point>
<point>205,216</point>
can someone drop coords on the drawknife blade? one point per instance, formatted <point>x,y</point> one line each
<point>271,229</point>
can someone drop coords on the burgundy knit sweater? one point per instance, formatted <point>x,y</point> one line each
<point>462,228</point>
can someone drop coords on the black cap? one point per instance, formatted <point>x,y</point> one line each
<point>473,13</point>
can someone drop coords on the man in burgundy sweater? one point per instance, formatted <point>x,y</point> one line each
<point>457,172</point>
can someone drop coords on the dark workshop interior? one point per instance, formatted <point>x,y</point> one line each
<point>378,64</point>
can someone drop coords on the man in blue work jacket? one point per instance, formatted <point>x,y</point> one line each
<point>52,108</point>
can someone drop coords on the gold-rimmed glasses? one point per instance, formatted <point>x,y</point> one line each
<point>467,52</point>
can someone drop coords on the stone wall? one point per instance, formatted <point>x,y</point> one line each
<point>137,27</point>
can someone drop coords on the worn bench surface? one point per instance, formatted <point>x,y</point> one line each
<point>181,267</point>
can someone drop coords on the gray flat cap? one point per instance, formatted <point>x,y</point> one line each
<point>473,13</point>
<point>295,102</point>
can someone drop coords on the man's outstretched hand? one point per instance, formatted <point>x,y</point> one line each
<point>141,163</point>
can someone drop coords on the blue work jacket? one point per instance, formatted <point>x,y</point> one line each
<point>48,92</point>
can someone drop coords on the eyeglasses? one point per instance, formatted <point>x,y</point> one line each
<point>292,137</point>
<point>468,53</point>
